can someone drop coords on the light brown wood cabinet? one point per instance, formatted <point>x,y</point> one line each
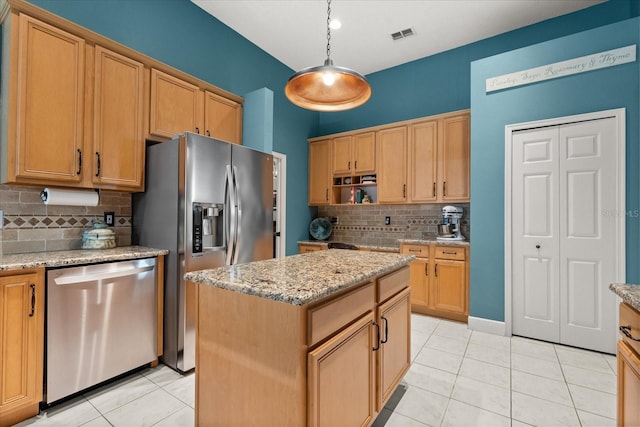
<point>439,280</point>
<point>46,103</point>
<point>391,147</point>
<point>304,248</point>
<point>337,361</point>
<point>320,173</point>
<point>629,367</point>
<point>354,154</point>
<point>117,153</point>
<point>178,106</point>
<point>21,344</point>
<point>423,161</point>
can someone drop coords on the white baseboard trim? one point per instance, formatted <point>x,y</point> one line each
<point>486,325</point>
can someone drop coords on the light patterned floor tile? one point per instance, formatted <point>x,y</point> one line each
<point>485,372</point>
<point>98,422</point>
<point>495,356</point>
<point>582,359</point>
<point>533,348</point>
<point>162,375</point>
<point>439,359</point>
<point>490,340</point>
<point>541,387</point>
<point>482,395</point>
<point>612,361</point>
<point>594,401</point>
<point>145,411</point>
<point>454,330</point>
<point>110,397</point>
<point>398,420</point>
<point>462,415</point>
<point>424,323</point>
<point>535,366</point>
<point>74,412</point>
<point>431,379</point>
<point>596,380</point>
<point>450,345</point>
<point>185,417</point>
<point>184,389</point>
<point>539,412</point>
<point>592,420</point>
<point>423,406</point>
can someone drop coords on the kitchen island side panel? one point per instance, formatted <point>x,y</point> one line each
<point>251,356</point>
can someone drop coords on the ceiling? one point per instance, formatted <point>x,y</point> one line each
<point>294,31</point>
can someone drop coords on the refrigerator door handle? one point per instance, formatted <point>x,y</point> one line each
<point>238,215</point>
<point>229,216</point>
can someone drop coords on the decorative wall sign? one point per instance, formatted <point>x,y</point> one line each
<point>583,64</point>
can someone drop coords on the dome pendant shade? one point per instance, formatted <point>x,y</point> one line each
<point>328,88</point>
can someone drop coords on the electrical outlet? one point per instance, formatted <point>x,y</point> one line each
<point>387,220</point>
<point>109,218</point>
<point>334,220</point>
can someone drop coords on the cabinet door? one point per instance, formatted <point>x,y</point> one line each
<point>176,106</point>
<point>222,118</point>
<point>448,286</point>
<point>21,346</point>
<point>118,133</point>
<point>364,153</point>
<point>391,145</point>
<point>454,158</point>
<point>394,357</point>
<point>628,386</point>
<point>329,387</point>
<point>342,163</point>
<point>423,156</point>
<point>419,279</point>
<point>319,172</point>
<point>50,104</point>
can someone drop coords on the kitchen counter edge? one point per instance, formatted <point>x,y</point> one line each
<point>302,279</point>
<point>628,292</point>
<point>52,259</point>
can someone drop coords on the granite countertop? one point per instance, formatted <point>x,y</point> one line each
<point>76,257</point>
<point>629,293</point>
<point>436,241</point>
<point>301,279</point>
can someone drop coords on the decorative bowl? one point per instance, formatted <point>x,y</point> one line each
<point>320,229</point>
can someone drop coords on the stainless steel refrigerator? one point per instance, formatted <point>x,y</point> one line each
<point>210,204</point>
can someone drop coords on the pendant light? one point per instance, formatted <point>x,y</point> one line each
<point>328,87</point>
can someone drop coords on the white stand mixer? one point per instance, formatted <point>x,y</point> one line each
<point>450,227</point>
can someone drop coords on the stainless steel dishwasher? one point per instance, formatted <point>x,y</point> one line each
<point>101,322</point>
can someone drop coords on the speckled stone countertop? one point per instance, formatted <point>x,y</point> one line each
<point>81,256</point>
<point>629,293</point>
<point>436,241</point>
<point>394,249</point>
<point>301,279</point>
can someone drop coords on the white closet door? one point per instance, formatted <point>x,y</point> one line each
<point>535,234</point>
<point>564,233</point>
<point>588,234</point>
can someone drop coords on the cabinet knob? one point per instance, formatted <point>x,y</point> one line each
<point>537,246</point>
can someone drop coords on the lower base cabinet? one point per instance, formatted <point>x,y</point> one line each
<point>332,363</point>
<point>629,367</point>
<point>21,344</point>
<point>439,280</point>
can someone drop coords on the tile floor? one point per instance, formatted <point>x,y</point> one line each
<point>458,378</point>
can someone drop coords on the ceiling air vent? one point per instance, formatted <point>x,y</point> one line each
<point>402,34</point>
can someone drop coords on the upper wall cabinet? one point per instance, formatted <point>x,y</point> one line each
<point>354,154</point>
<point>418,161</point>
<point>118,120</point>
<point>76,107</point>
<point>178,106</point>
<point>46,101</point>
<point>320,172</point>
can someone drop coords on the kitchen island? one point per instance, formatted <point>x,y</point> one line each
<point>319,339</point>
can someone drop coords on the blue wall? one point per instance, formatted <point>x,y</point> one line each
<point>614,87</point>
<point>441,83</point>
<point>182,35</point>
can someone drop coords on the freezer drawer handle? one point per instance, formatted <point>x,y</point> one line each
<point>83,278</point>
<point>626,330</point>
<point>33,299</point>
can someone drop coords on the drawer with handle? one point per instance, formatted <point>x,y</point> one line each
<point>421,251</point>
<point>630,326</point>
<point>448,252</point>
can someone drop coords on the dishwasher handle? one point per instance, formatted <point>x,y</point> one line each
<point>83,278</point>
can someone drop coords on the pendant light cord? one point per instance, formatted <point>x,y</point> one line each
<point>328,29</point>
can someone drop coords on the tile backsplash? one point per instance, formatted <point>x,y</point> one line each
<point>364,223</point>
<point>31,226</point>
